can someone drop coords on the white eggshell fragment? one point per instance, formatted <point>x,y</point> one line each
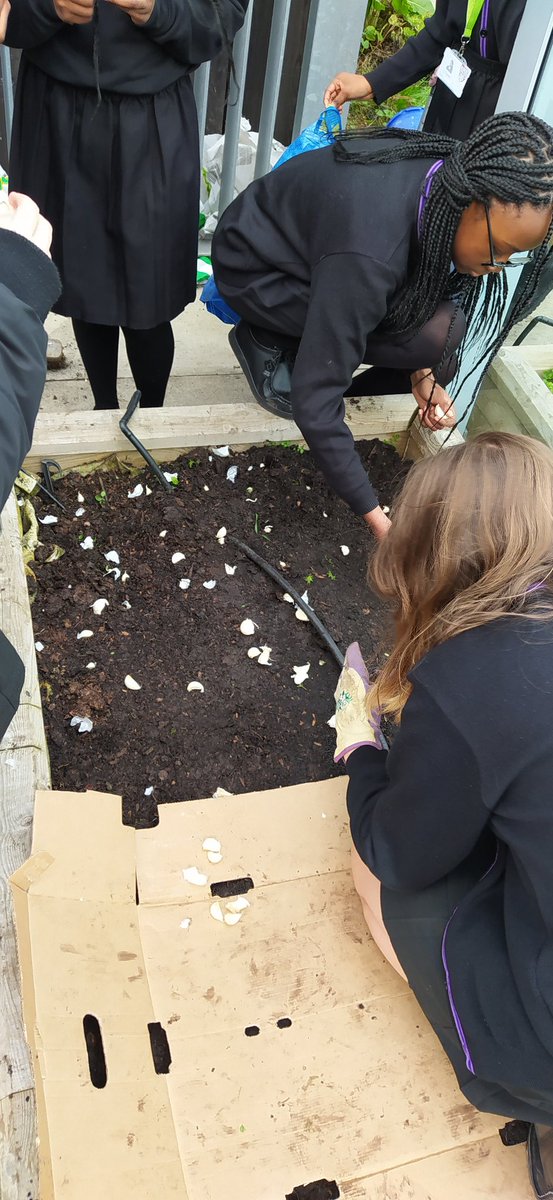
<point>131,684</point>
<point>216,911</point>
<point>148,791</point>
<point>210,584</point>
<point>177,556</point>
<point>186,923</point>
<point>84,724</point>
<point>248,627</point>
<point>80,498</point>
<point>85,633</point>
<point>301,673</point>
<point>125,576</point>
<point>184,584</point>
<point>192,875</point>
<point>221,451</point>
<point>214,857</point>
<point>39,646</point>
<point>137,491</point>
<point>112,556</point>
<point>163,533</point>
<point>264,659</point>
<point>229,570</point>
<point>231,474</point>
<point>79,512</point>
<point>332,721</point>
<point>195,686</point>
<point>231,918</point>
<point>87,543</point>
<point>90,666</point>
<point>49,519</point>
<point>345,550</point>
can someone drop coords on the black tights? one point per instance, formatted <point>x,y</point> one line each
<point>150,353</point>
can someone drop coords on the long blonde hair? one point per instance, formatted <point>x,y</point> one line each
<point>471,540</point>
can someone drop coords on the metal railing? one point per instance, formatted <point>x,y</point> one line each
<point>7,90</point>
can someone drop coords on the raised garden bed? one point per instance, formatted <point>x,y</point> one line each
<point>514,397</point>
<point>252,726</point>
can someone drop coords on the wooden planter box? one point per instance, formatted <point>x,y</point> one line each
<point>513,397</point>
<point>76,439</point>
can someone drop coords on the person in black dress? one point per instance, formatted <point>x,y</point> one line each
<point>487,53</point>
<point>344,256</point>
<point>453,826</point>
<point>105,140</point>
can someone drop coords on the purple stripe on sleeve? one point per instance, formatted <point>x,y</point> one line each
<point>484,30</point>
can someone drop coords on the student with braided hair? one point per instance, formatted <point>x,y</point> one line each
<point>105,140</point>
<point>388,248</point>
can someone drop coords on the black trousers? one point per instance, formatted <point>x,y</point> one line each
<point>394,357</point>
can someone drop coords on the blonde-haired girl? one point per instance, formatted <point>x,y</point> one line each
<point>453,827</point>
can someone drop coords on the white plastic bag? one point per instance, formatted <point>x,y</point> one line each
<point>214,145</point>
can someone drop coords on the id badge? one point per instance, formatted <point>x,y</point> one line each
<point>453,71</point>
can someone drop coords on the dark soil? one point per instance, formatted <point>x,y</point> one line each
<point>252,727</point>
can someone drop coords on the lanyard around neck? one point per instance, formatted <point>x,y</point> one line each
<point>474,8</point>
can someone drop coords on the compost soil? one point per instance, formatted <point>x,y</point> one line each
<point>252,727</point>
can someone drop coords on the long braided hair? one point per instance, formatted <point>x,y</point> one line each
<point>509,157</point>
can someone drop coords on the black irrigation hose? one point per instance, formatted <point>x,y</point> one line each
<point>287,587</point>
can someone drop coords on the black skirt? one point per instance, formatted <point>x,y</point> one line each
<point>416,922</point>
<point>119,179</point>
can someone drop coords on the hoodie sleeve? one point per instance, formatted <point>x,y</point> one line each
<point>29,285</point>
<point>31,23</point>
<point>193,31</point>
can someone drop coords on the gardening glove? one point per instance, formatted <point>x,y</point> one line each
<point>356,724</point>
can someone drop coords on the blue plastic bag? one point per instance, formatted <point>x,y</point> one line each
<point>407,118</point>
<point>322,133</point>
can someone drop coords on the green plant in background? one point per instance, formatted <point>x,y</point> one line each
<point>547,377</point>
<point>388,24</point>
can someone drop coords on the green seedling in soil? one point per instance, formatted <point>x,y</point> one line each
<point>256,523</point>
<point>294,446</point>
<point>548,379</point>
<point>309,578</point>
<point>330,574</point>
<point>101,498</point>
<point>193,462</point>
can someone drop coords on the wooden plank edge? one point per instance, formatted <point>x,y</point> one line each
<point>89,436</point>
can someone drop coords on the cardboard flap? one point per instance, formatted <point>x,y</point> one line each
<point>92,853</point>
<point>275,836</point>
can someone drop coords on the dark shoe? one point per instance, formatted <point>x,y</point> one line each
<point>540,1160</point>
<point>268,370</point>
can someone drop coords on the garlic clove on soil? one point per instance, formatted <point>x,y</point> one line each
<point>216,911</point>
<point>192,875</point>
<point>80,498</point>
<point>221,535</point>
<point>248,627</point>
<point>210,584</point>
<point>99,606</point>
<point>254,652</point>
<point>163,533</point>
<point>214,857</point>
<point>264,659</point>
<point>85,633</point>
<point>177,557</point>
<point>237,906</point>
<point>300,615</point>
<point>90,666</point>
<point>332,721</point>
<point>79,512</point>
<point>195,686</point>
<point>288,598</point>
<point>345,550</point>
<point>131,684</point>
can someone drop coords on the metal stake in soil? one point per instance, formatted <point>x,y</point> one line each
<point>138,445</point>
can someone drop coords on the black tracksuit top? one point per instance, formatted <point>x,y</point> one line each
<point>474,753</point>
<point>133,59</point>
<point>317,250</point>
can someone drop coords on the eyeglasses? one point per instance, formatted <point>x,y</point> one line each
<point>520,258</point>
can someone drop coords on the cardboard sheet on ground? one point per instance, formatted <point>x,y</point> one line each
<point>243,1062</point>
